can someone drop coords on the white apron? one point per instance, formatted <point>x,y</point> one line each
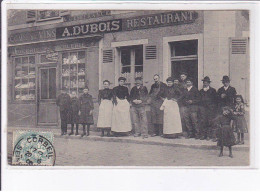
<point>121,121</point>
<point>171,119</point>
<point>105,114</point>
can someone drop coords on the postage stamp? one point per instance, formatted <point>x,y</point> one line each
<point>33,148</point>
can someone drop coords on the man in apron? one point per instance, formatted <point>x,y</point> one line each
<point>157,89</point>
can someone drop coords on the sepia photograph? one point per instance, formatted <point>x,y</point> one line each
<point>132,88</point>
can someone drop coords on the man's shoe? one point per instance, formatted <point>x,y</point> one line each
<point>207,138</point>
<point>230,155</point>
<point>221,154</point>
<point>71,133</point>
<point>242,142</point>
<point>137,135</point>
<point>153,135</point>
<point>61,134</point>
<point>237,142</point>
<point>83,134</point>
<point>76,134</point>
<point>65,133</point>
<point>202,138</point>
<point>145,136</point>
<point>214,140</point>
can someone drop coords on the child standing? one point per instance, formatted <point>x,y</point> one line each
<point>224,131</point>
<point>105,98</point>
<point>86,111</point>
<point>239,125</point>
<point>74,113</point>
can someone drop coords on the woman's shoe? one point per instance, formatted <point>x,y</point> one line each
<point>230,155</point>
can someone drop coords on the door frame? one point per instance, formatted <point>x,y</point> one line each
<point>167,54</point>
<point>38,99</point>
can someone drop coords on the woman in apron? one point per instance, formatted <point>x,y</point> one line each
<point>105,98</point>
<point>121,121</point>
<point>171,121</point>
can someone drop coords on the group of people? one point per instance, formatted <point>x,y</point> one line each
<point>177,108</point>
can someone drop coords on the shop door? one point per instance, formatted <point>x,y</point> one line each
<point>189,66</point>
<point>47,113</point>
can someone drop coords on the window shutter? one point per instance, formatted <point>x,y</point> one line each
<point>238,46</point>
<point>31,16</point>
<point>107,56</point>
<point>150,52</point>
<point>64,13</point>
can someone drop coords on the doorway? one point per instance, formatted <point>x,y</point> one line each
<point>47,113</point>
<point>184,57</point>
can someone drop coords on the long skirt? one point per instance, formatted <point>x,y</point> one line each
<point>240,124</point>
<point>121,120</point>
<point>105,114</point>
<point>225,136</point>
<point>171,118</point>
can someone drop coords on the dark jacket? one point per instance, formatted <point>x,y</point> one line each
<point>172,92</point>
<point>105,94</point>
<point>63,101</point>
<point>229,99</point>
<point>156,94</point>
<point>86,105</point>
<point>208,98</point>
<point>138,94</point>
<point>120,92</point>
<point>193,95</point>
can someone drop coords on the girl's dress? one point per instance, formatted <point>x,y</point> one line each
<point>240,124</point>
<point>86,105</point>
<point>105,98</point>
<point>171,119</point>
<point>121,120</point>
<point>225,133</point>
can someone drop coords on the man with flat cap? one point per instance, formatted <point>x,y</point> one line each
<point>208,105</point>
<point>191,100</point>
<point>182,85</point>
<point>226,94</point>
<point>138,97</point>
<point>64,102</point>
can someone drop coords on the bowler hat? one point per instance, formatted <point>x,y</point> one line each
<point>206,79</point>
<point>189,79</point>
<point>138,78</point>
<point>225,78</point>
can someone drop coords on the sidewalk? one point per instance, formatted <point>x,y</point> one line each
<point>180,142</point>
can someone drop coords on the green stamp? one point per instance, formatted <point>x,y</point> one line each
<point>33,148</point>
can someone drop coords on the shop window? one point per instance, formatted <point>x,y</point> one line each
<point>74,71</point>
<point>48,83</point>
<point>131,63</point>
<point>24,79</point>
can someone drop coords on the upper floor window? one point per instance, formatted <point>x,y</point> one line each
<point>44,15</point>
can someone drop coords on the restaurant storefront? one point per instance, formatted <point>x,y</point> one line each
<point>78,53</point>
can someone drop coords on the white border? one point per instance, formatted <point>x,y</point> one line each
<point>141,179</point>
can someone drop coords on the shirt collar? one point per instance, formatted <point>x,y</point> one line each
<point>206,88</point>
<point>189,88</point>
<point>226,87</point>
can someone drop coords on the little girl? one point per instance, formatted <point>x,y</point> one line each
<point>239,125</point>
<point>224,131</point>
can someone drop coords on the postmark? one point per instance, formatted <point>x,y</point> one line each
<point>33,148</point>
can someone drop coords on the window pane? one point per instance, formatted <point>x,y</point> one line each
<point>25,60</point>
<point>52,83</point>
<point>139,55</point>
<point>184,48</point>
<point>44,83</point>
<point>126,57</point>
<point>32,60</point>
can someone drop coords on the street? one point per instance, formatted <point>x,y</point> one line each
<point>84,152</point>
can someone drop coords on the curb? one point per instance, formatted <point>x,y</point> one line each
<point>147,142</point>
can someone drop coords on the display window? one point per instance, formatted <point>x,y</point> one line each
<point>24,78</point>
<point>73,71</point>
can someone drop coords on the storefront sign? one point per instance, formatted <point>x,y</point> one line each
<point>159,20</point>
<point>31,49</point>
<point>86,16</point>
<point>33,36</point>
<point>88,29</point>
<point>52,56</point>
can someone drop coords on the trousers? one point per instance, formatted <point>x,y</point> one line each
<point>64,116</point>
<point>191,121</point>
<point>139,120</point>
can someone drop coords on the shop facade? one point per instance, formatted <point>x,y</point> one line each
<point>77,51</point>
